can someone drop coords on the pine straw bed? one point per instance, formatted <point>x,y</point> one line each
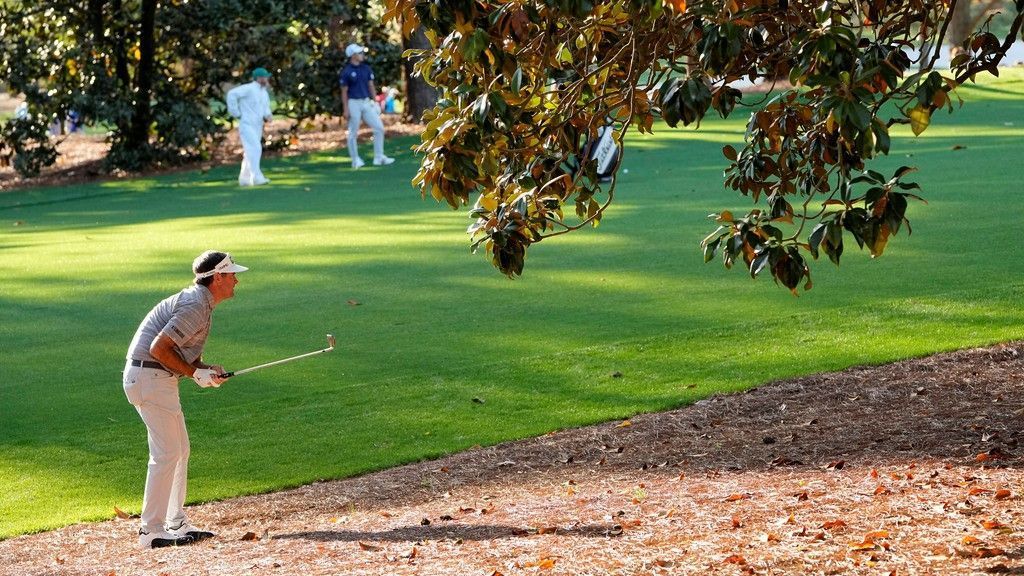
<point>908,468</point>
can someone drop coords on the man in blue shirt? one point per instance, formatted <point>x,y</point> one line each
<point>358,96</point>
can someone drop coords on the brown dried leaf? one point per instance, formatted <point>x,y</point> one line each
<point>881,490</point>
<point>543,563</point>
<point>121,513</point>
<point>992,524</point>
<point>989,552</point>
<point>1003,494</point>
<point>736,522</point>
<point>975,491</point>
<point>736,497</point>
<point>971,541</point>
<point>833,524</point>
<point>249,537</point>
<point>802,496</point>
<point>624,424</point>
<point>368,547</point>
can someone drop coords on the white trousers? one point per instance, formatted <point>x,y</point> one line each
<point>252,149</point>
<point>154,393</point>
<point>365,110</point>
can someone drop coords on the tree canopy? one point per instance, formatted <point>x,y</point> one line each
<point>153,72</point>
<point>525,86</point>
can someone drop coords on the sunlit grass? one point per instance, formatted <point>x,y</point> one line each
<point>424,327</point>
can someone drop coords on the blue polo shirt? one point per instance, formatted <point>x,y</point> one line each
<point>357,79</point>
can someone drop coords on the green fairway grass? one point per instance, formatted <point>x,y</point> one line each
<point>424,327</point>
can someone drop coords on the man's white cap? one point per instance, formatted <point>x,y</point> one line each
<point>353,49</point>
<point>225,266</point>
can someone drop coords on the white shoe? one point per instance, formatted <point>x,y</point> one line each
<point>384,161</point>
<point>188,530</point>
<point>161,539</point>
<point>357,164</point>
<point>262,182</point>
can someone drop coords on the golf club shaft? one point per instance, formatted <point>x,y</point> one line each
<point>330,341</point>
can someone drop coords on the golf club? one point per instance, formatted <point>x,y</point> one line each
<point>330,342</point>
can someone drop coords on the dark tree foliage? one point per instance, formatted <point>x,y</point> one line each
<point>524,88</point>
<point>154,73</point>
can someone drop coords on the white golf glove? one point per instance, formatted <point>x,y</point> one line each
<point>206,378</point>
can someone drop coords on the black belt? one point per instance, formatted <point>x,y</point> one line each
<point>148,364</point>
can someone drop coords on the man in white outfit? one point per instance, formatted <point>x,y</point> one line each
<point>250,103</point>
<point>359,98</point>
<point>169,345</point>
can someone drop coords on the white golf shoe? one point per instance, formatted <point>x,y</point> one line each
<point>161,539</point>
<point>384,161</point>
<point>357,164</point>
<point>187,530</point>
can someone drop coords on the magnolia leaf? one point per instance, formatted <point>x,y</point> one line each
<point>920,117</point>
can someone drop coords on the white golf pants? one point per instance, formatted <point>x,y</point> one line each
<point>154,393</point>
<point>360,110</point>
<point>251,136</point>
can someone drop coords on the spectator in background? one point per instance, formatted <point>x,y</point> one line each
<point>358,96</point>
<point>250,103</point>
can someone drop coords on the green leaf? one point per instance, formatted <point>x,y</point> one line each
<point>759,262</point>
<point>816,236</point>
<point>710,248</point>
<point>517,81</point>
<point>481,107</point>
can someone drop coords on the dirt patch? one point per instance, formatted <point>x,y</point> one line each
<point>81,155</point>
<point>908,468</point>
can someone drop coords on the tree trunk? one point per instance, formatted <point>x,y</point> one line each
<point>138,133</point>
<point>960,27</point>
<point>419,95</point>
<point>120,51</point>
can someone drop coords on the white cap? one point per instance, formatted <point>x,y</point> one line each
<point>353,49</point>
<point>225,266</point>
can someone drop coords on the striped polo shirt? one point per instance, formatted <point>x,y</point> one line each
<point>184,317</point>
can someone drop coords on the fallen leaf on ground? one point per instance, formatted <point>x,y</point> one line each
<point>989,552</point>
<point>624,424</point>
<point>1003,494</point>
<point>249,536</point>
<point>736,497</point>
<point>121,513</point>
<point>368,547</point>
<point>833,524</point>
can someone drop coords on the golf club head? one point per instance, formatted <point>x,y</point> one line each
<point>330,341</point>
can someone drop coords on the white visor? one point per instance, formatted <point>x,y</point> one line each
<point>225,266</point>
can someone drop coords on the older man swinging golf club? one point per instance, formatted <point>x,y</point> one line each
<point>167,346</point>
